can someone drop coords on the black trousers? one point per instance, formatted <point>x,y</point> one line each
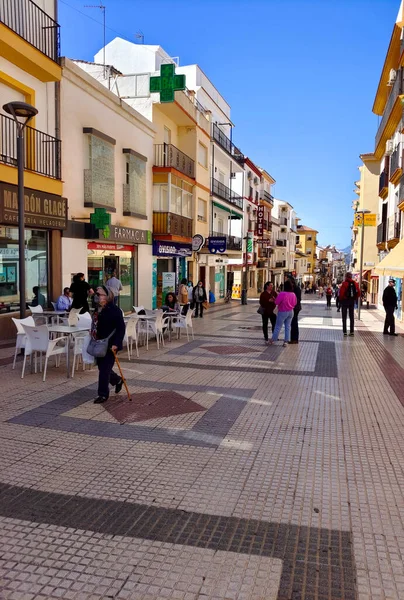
<point>337,302</point>
<point>106,375</point>
<point>198,306</point>
<point>389,321</point>
<point>265,319</point>
<point>294,326</point>
<point>329,301</point>
<point>348,307</point>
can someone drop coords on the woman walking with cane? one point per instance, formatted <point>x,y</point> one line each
<point>108,324</point>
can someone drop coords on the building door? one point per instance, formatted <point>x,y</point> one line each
<point>202,276</point>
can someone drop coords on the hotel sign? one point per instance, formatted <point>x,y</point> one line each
<point>42,210</point>
<point>260,221</point>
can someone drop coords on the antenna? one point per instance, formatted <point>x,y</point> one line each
<point>101,6</point>
<point>139,35</point>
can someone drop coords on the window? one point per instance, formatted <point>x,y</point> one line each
<point>160,198</point>
<point>202,210</point>
<point>167,135</point>
<point>202,155</point>
<point>187,204</point>
<point>220,225</point>
<point>309,238</point>
<point>134,190</point>
<point>181,197</point>
<point>256,197</point>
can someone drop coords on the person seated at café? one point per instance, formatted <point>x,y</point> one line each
<point>171,303</point>
<point>38,299</point>
<point>64,302</point>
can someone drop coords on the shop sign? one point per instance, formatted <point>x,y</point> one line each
<point>170,249</point>
<point>42,210</point>
<point>260,221</point>
<point>217,244</point>
<point>168,283</point>
<point>109,247</point>
<point>197,242</point>
<point>167,84</point>
<point>116,233</point>
<point>250,248</point>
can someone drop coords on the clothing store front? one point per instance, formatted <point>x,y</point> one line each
<point>45,217</point>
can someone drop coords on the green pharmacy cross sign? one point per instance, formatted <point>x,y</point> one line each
<point>101,219</point>
<point>167,84</point>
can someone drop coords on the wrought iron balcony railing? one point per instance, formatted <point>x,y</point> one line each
<point>33,24</point>
<point>224,142</point>
<point>381,232</point>
<point>172,224</point>
<point>383,182</point>
<point>167,155</point>
<point>396,90</point>
<point>393,230</point>
<point>222,191</point>
<point>267,196</point>
<point>42,151</point>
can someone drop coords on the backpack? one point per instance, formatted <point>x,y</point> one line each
<point>351,291</point>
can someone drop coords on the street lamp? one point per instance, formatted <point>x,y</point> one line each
<point>362,212</point>
<point>22,113</point>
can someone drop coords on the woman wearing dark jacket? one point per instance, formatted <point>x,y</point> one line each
<point>107,320</point>
<point>294,326</point>
<point>80,290</point>
<point>200,297</point>
<point>267,302</point>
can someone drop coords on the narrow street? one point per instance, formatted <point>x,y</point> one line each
<point>237,471</point>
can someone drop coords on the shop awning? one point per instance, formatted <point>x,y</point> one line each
<point>393,263</point>
<point>234,214</point>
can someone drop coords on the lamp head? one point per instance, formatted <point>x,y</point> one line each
<point>20,110</point>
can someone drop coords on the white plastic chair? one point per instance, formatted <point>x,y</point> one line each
<point>38,341</point>
<point>183,323</point>
<point>137,308</point>
<point>36,309</point>
<point>130,335</point>
<point>54,305</point>
<point>157,326</point>
<point>78,341</point>
<point>84,319</point>
<point>21,337</point>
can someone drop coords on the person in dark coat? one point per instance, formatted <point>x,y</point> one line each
<point>107,320</point>
<point>199,298</point>
<point>267,302</point>
<point>80,290</point>
<point>390,305</point>
<point>294,326</point>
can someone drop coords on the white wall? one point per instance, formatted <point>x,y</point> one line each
<point>74,259</point>
<point>129,57</point>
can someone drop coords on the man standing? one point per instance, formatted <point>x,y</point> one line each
<point>294,326</point>
<point>348,295</point>
<point>390,305</point>
<point>115,286</point>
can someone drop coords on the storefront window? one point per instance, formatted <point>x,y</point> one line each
<point>36,272</point>
<point>103,264</point>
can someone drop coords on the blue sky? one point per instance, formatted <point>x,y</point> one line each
<point>300,77</point>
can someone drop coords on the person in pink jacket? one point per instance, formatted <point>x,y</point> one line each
<point>285,301</point>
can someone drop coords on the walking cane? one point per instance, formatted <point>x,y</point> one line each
<point>123,378</point>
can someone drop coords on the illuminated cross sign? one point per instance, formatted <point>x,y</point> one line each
<point>167,84</point>
<point>100,218</point>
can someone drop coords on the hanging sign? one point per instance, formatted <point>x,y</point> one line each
<point>260,221</point>
<point>217,244</point>
<point>197,242</point>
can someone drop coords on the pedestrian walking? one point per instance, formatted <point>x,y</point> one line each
<point>328,295</point>
<point>115,285</point>
<point>267,304</point>
<point>348,296</point>
<point>337,301</point>
<point>294,326</point>
<point>285,301</point>
<point>107,322</point>
<point>183,292</point>
<point>390,305</point>
<point>199,297</point>
<point>80,290</point>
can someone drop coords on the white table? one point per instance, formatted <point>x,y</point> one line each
<point>70,331</point>
<point>48,314</point>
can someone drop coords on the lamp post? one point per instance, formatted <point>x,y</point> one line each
<point>362,212</point>
<point>22,113</point>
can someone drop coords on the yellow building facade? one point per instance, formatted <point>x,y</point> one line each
<point>307,244</point>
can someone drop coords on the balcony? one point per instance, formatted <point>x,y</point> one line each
<point>232,242</point>
<point>393,230</point>
<point>267,197</point>
<point>283,221</point>
<point>381,233</point>
<point>172,224</point>
<point>222,191</point>
<point>31,23</point>
<point>391,115</point>
<point>224,142</point>
<point>280,264</point>
<point>42,151</point>
<point>396,164</point>
<point>281,243</point>
<point>167,155</point>
<point>384,184</point>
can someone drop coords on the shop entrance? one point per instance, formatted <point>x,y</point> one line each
<point>103,264</point>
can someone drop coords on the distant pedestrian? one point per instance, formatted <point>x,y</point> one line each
<point>80,290</point>
<point>348,295</point>
<point>337,300</point>
<point>267,304</point>
<point>191,294</point>
<point>183,292</point>
<point>199,297</point>
<point>294,326</point>
<point>115,285</point>
<point>390,303</point>
<point>328,295</point>
<point>320,291</point>
<point>285,301</point>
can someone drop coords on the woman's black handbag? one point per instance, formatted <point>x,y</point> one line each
<point>261,310</point>
<point>99,348</point>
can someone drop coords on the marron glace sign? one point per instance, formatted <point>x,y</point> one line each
<point>41,209</point>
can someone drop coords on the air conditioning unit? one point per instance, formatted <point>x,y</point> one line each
<point>232,176</point>
<point>392,77</point>
<point>389,147</point>
<point>249,175</point>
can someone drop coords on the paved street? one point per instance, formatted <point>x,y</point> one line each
<point>238,471</point>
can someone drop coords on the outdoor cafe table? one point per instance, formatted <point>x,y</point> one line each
<point>152,317</point>
<point>48,314</point>
<point>69,330</point>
